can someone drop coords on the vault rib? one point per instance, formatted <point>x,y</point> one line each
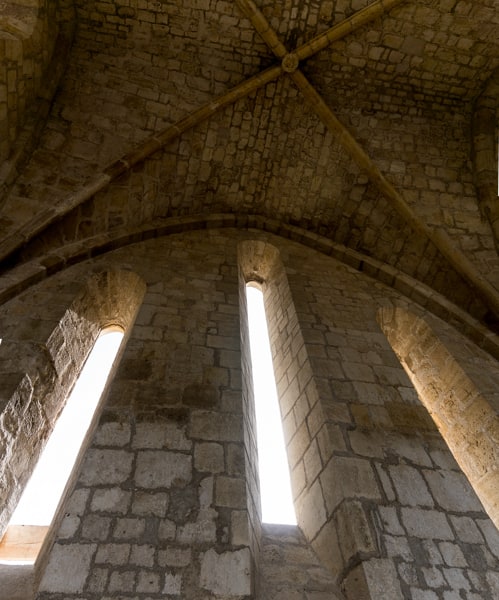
<point>345,27</point>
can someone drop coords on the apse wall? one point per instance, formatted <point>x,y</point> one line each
<point>165,501</point>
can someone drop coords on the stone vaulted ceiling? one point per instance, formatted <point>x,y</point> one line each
<point>344,124</point>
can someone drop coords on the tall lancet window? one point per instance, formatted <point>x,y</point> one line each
<point>38,504</point>
<point>275,487</point>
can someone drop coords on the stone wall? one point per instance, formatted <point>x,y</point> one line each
<point>165,500</point>
<point>27,34</point>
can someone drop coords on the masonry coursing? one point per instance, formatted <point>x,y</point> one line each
<point>104,222</point>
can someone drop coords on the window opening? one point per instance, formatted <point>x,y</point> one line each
<point>275,486</point>
<point>39,501</point>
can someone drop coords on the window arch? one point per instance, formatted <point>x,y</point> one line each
<point>107,299</point>
<point>304,424</point>
<point>38,504</point>
<point>467,421</point>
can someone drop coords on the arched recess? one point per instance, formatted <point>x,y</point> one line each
<point>485,126</point>
<point>467,421</point>
<point>323,505</point>
<point>38,392</point>
<point>255,262</point>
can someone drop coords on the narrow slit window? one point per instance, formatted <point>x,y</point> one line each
<point>36,509</point>
<point>275,486</point>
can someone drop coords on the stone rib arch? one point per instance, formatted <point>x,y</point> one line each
<point>38,393</point>
<point>465,417</point>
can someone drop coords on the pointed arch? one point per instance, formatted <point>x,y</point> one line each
<point>467,420</point>
<point>304,424</point>
<point>37,387</point>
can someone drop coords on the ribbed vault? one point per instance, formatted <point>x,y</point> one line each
<point>300,112</point>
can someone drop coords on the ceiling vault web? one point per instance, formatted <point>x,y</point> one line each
<point>10,244</point>
<point>290,61</point>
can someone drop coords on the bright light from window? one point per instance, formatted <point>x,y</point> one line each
<point>44,490</point>
<point>275,487</point>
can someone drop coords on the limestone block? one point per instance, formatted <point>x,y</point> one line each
<point>113,554</point>
<point>112,434</point>
<point>452,491</point>
<point>142,555</point>
<point>452,554</point>
<point>69,526</point>
<point>397,546</point>
<point>230,492</point>
<point>95,528</point>
<point>213,426</point>
<point>491,535</point>
<point>410,486</point>
<point>433,577</point>
<point>209,457</point>
<point>157,469</point>
<point>106,467</point>
<point>390,520</point>
<point>167,530</point>
<point>432,552</point>
<point>113,500</point>
<point>73,510</point>
<point>148,582</point>
<point>203,530</point>
<point>122,581</point>
<point>226,574</point>
<point>234,458</point>
<point>129,529</point>
<point>97,580</point>
<point>206,492</point>
<point>429,524</point>
<point>310,510</point>
<point>354,531</point>
<point>327,547</point>
<point>68,568</point>
<point>149,435</point>
<point>346,477</point>
<point>366,443</point>
<point>457,579</point>
<point>173,584</point>
<point>382,579</point>
<point>240,528</point>
<point>312,462</point>
<point>493,581</point>
<point>466,530</point>
<point>174,557</point>
<point>149,503</point>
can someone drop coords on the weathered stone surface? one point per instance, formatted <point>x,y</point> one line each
<point>151,162</point>
<point>68,568</point>
<point>226,574</point>
<point>155,469</point>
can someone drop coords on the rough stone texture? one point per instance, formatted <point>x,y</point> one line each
<point>162,503</point>
<point>290,569</point>
<point>359,189</point>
